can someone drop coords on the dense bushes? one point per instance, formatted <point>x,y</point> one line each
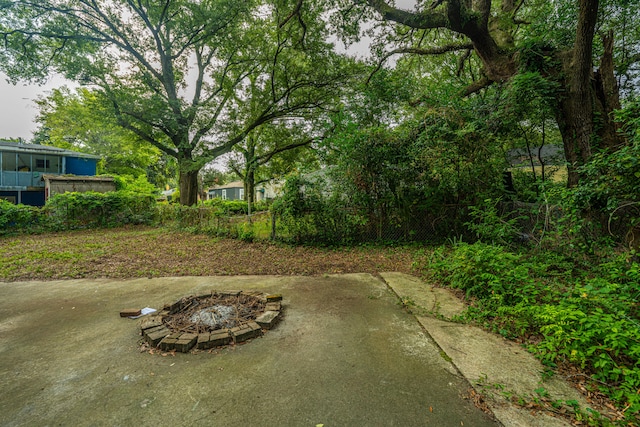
<point>235,207</point>
<point>18,217</point>
<point>70,211</point>
<point>566,289</point>
<point>411,182</point>
<point>131,205</point>
<point>308,212</point>
<point>218,217</point>
<point>90,210</point>
<point>568,313</point>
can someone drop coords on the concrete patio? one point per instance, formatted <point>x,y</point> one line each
<point>346,354</point>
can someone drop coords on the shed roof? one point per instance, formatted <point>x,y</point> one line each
<point>77,178</point>
<point>14,147</point>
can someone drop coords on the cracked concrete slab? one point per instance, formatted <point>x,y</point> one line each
<point>345,354</point>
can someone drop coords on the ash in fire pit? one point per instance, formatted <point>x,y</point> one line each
<point>212,319</point>
<point>216,317</point>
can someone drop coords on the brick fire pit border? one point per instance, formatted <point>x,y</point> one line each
<point>156,333</point>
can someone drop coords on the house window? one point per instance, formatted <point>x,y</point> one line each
<point>224,194</point>
<point>9,163</point>
<point>42,163</point>
<point>24,163</point>
<point>242,194</point>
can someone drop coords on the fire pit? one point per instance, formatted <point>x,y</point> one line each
<point>211,319</point>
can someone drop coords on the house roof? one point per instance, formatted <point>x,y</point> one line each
<point>551,155</point>
<point>234,184</point>
<point>14,147</point>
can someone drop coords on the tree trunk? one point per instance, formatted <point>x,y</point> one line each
<point>608,99</point>
<point>251,166</point>
<point>575,112</point>
<point>250,186</point>
<point>188,185</point>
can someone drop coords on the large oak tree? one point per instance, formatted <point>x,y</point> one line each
<point>176,71</point>
<point>496,31</point>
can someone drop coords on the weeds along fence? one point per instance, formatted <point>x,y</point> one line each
<point>347,226</point>
<point>216,221</point>
<point>550,225</point>
<point>499,222</point>
<point>340,226</point>
<point>71,211</point>
<point>509,223</point>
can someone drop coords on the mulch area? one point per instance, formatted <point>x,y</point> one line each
<point>153,252</point>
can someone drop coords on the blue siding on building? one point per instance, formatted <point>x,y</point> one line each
<point>31,197</point>
<point>230,193</point>
<point>22,167</point>
<point>81,166</point>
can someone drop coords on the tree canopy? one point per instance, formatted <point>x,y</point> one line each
<point>562,41</point>
<point>177,71</point>
<point>197,78</point>
<point>83,120</point>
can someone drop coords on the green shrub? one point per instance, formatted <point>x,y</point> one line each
<point>245,232</point>
<point>577,314</point>
<point>490,226</point>
<point>135,185</point>
<point>235,207</point>
<point>485,272</point>
<point>19,217</point>
<point>91,210</point>
<point>307,214</point>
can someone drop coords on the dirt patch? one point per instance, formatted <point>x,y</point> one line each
<point>153,252</point>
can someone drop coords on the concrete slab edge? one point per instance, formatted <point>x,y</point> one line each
<point>457,343</point>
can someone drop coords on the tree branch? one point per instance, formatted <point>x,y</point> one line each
<point>424,20</point>
<point>265,158</point>
<point>477,86</point>
<point>142,135</point>
<point>295,12</point>
<point>437,50</point>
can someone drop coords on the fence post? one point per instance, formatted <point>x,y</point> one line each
<point>273,225</point>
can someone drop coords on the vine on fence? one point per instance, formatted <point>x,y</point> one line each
<point>71,211</point>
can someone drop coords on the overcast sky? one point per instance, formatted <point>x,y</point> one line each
<point>18,109</point>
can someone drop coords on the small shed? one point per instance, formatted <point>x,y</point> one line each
<point>58,184</point>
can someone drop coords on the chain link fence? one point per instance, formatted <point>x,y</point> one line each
<point>530,223</point>
<point>340,226</point>
<point>344,226</point>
